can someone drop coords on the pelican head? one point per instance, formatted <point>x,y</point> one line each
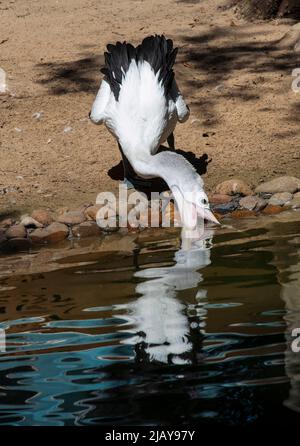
<point>192,204</point>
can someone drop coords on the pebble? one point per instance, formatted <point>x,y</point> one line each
<point>225,208</point>
<point>272,209</point>
<point>243,213</point>
<point>16,231</point>
<point>55,232</point>
<point>295,202</point>
<point>86,229</point>
<point>91,212</point>
<point>280,199</point>
<point>280,184</point>
<point>72,218</point>
<point>30,222</point>
<point>219,198</point>
<point>233,187</point>
<point>252,203</point>
<point>37,115</point>
<point>42,216</point>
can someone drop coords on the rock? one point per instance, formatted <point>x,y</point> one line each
<point>16,231</point>
<point>233,187</point>
<point>30,222</point>
<point>296,195</point>
<point>72,218</point>
<point>252,202</point>
<point>280,199</point>
<point>295,202</point>
<point>6,223</point>
<point>55,232</point>
<point>291,39</point>
<point>243,213</point>
<point>42,216</point>
<point>225,208</point>
<point>271,209</point>
<point>219,198</point>
<point>86,229</point>
<point>281,184</point>
<point>91,212</point>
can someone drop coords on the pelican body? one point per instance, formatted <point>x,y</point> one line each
<point>140,104</point>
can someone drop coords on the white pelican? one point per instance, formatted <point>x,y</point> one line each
<point>140,104</point>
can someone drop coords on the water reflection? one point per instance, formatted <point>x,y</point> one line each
<point>124,342</point>
<point>167,330</point>
<point>287,261</point>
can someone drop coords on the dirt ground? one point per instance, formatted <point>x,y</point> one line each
<point>244,114</point>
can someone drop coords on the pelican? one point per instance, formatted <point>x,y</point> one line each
<point>140,104</point>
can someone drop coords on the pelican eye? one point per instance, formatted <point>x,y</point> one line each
<point>204,201</point>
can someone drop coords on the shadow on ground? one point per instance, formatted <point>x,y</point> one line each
<point>210,64</point>
<point>72,77</point>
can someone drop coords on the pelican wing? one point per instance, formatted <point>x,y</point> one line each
<point>183,111</point>
<point>98,112</point>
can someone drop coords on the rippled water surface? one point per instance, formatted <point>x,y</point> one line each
<point>156,334</point>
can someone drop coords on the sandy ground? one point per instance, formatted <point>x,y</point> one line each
<point>244,114</point>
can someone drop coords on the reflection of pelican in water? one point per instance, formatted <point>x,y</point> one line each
<point>288,266</point>
<point>167,330</point>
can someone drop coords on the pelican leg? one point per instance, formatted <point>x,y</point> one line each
<point>171,141</point>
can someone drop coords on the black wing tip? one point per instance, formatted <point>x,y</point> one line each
<point>155,49</point>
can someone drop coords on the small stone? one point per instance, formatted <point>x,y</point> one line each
<point>280,199</point>
<point>72,218</point>
<point>16,231</point>
<point>243,213</point>
<point>225,208</point>
<point>296,195</point>
<point>219,198</point>
<point>295,202</point>
<point>55,232</point>
<point>233,187</point>
<point>91,212</point>
<point>281,184</point>
<point>30,222</point>
<point>42,216</point>
<point>86,229</point>
<point>271,209</point>
<point>252,203</point>
<point>37,115</point>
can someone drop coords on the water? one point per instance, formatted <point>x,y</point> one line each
<point>154,334</point>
